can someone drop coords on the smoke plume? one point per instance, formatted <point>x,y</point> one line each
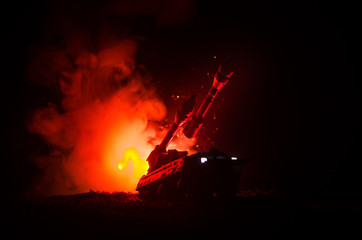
<point>107,104</point>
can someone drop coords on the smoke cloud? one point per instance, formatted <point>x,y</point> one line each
<point>107,103</point>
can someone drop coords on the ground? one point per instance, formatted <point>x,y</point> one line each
<point>253,214</point>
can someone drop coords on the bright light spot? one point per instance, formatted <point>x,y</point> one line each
<point>140,166</point>
<point>203,159</point>
<point>120,167</point>
<point>234,158</point>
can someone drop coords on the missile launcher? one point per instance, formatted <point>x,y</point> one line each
<point>173,175</point>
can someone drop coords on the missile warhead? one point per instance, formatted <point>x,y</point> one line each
<point>195,123</point>
<point>221,77</point>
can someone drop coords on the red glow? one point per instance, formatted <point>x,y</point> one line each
<point>108,123</point>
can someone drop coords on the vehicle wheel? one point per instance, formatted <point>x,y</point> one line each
<point>181,193</point>
<point>184,192</point>
<point>145,195</point>
<point>162,193</point>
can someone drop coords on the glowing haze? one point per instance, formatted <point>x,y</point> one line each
<point>105,115</point>
<point>107,123</point>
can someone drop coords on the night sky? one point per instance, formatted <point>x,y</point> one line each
<point>293,106</point>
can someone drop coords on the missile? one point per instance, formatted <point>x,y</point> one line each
<point>196,121</point>
<point>157,157</point>
<point>183,114</point>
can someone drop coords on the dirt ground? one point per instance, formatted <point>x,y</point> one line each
<point>122,214</point>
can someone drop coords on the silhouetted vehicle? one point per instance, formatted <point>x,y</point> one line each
<point>174,175</point>
<point>201,175</point>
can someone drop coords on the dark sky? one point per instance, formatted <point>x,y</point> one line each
<point>293,106</point>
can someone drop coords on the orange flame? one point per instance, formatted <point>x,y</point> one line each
<point>107,107</point>
<point>107,111</point>
<point>140,166</point>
